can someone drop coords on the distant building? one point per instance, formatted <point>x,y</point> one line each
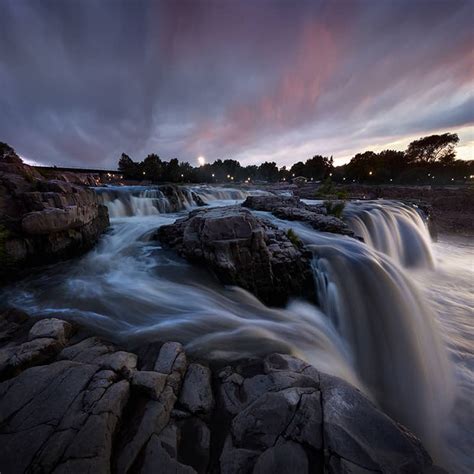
<point>299,180</point>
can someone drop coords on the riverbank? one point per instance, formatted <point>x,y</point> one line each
<point>450,207</point>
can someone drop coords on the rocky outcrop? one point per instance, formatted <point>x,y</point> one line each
<point>243,250</point>
<point>292,209</point>
<point>94,407</point>
<point>43,221</point>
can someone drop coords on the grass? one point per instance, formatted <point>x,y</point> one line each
<point>294,239</point>
<point>335,209</point>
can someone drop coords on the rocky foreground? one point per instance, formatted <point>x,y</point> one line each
<point>74,403</point>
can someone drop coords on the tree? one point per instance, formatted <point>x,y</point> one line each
<point>268,171</point>
<point>153,167</point>
<point>127,166</point>
<point>433,148</point>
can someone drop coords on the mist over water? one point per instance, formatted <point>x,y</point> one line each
<point>375,326</point>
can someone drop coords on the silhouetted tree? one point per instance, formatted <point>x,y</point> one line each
<point>128,167</point>
<point>153,167</point>
<point>433,148</point>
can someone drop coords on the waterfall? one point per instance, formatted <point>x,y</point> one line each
<point>372,327</point>
<point>390,328</point>
<point>127,201</point>
<point>392,228</point>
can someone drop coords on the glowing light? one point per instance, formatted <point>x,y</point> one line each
<point>370,173</point>
<point>182,176</point>
<point>201,160</point>
<point>228,176</point>
<point>144,173</point>
<point>213,175</point>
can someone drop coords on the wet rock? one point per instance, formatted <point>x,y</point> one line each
<point>292,209</point>
<point>92,411</point>
<point>270,203</point>
<point>149,382</point>
<point>337,465</point>
<point>157,459</point>
<point>11,323</point>
<point>172,362</point>
<point>285,458</point>
<point>194,444</point>
<point>237,460</point>
<point>171,358</point>
<point>93,351</point>
<point>51,328</point>
<point>152,421</point>
<point>354,429</point>
<point>61,416</point>
<point>196,394</point>
<point>43,221</point>
<point>257,427</point>
<point>16,358</point>
<point>243,250</point>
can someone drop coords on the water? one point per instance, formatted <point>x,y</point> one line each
<point>392,228</point>
<point>377,325</point>
<point>128,201</point>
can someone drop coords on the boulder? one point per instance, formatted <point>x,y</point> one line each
<point>60,417</point>
<point>52,328</point>
<point>43,221</point>
<point>292,209</point>
<point>149,382</point>
<point>88,409</point>
<point>196,394</point>
<point>358,432</point>
<point>285,458</point>
<point>243,250</point>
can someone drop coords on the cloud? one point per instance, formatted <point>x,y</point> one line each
<point>84,81</point>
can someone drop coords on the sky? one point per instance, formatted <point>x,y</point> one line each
<point>82,81</point>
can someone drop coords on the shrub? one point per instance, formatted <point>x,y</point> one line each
<point>335,208</point>
<point>294,239</point>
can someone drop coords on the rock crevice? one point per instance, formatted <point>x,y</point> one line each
<point>95,407</point>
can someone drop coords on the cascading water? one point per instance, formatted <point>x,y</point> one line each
<point>379,312</point>
<point>128,201</point>
<point>392,228</point>
<point>374,328</point>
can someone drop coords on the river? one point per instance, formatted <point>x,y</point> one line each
<point>395,315</point>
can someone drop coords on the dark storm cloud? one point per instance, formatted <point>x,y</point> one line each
<point>82,81</point>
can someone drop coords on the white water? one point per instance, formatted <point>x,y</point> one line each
<point>128,201</point>
<point>392,228</point>
<point>375,327</point>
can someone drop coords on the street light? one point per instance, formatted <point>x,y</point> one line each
<point>370,173</point>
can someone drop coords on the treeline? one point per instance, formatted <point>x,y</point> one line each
<point>152,168</point>
<point>430,159</point>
